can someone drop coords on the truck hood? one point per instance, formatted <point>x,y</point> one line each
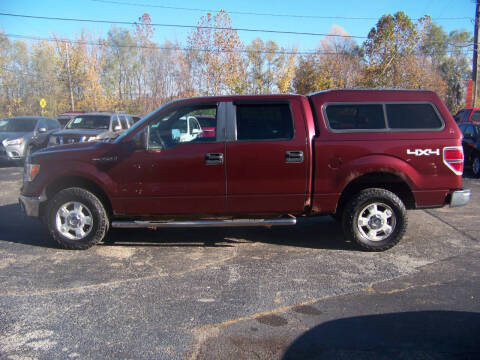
<point>81,146</point>
<point>11,135</point>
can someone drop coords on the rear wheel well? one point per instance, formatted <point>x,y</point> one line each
<point>382,180</point>
<point>80,182</point>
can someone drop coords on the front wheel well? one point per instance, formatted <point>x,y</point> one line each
<point>382,180</point>
<point>80,182</point>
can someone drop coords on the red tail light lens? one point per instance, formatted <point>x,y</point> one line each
<point>453,158</point>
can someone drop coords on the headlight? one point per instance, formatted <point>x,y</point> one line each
<point>30,171</point>
<point>18,141</point>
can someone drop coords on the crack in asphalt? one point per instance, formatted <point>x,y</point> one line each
<point>120,282</point>
<point>450,226</point>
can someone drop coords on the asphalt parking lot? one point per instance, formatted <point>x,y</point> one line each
<point>281,293</point>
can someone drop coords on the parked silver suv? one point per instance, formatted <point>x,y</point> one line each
<point>22,135</point>
<point>91,127</point>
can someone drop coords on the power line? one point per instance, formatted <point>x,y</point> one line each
<point>195,27</point>
<point>176,48</point>
<point>181,26</point>
<point>257,13</point>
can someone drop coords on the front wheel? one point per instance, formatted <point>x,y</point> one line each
<point>77,219</point>
<point>375,219</point>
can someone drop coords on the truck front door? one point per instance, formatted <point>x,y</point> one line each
<point>180,172</point>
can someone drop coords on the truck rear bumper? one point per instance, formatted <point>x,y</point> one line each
<point>460,197</point>
<point>31,204</point>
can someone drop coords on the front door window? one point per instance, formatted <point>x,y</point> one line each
<point>180,126</point>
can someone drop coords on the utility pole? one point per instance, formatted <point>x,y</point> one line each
<point>475,55</point>
<point>72,105</point>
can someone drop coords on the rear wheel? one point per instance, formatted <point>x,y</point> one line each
<point>375,219</point>
<point>77,219</point>
<point>476,166</point>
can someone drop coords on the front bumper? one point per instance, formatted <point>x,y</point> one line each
<point>12,152</point>
<point>460,198</point>
<point>31,204</point>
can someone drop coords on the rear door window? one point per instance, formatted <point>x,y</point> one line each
<point>476,116</point>
<point>413,116</point>
<point>264,122</point>
<point>355,116</point>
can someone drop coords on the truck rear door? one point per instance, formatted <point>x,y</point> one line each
<point>266,157</point>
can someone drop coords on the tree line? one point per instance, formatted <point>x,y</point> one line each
<point>128,71</point>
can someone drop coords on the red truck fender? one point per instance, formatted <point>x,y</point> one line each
<point>368,171</point>
<point>79,173</point>
<point>377,164</point>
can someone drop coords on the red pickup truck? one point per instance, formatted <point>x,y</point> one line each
<point>363,156</point>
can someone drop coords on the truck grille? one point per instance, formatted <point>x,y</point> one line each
<point>69,139</point>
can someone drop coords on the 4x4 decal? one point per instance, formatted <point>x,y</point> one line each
<point>423,152</point>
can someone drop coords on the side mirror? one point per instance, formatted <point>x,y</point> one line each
<point>117,128</point>
<point>139,141</point>
<point>196,131</point>
<point>42,130</point>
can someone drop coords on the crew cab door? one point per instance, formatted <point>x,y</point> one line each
<point>175,174</point>
<point>266,157</point>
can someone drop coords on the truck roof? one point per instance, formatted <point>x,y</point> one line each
<point>362,90</point>
<point>352,91</point>
<point>239,97</point>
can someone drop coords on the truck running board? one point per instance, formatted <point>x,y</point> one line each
<point>203,223</point>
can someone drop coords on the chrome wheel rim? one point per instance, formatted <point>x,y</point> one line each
<point>74,220</point>
<point>376,221</point>
<point>476,166</point>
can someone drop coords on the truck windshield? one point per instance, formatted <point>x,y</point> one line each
<point>90,122</point>
<point>17,125</point>
<point>143,120</point>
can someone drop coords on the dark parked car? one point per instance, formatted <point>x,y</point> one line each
<point>471,146</point>
<point>468,115</point>
<point>91,127</point>
<point>22,135</point>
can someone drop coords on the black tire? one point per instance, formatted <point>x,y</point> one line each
<point>476,165</point>
<point>384,202</point>
<point>91,207</point>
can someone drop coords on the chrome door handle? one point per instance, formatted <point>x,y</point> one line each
<point>294,156</point>
<point>214,158</point>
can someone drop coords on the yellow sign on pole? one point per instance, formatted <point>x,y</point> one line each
<point>43,103</point>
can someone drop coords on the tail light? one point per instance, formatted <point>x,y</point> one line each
<point>453,158</point>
